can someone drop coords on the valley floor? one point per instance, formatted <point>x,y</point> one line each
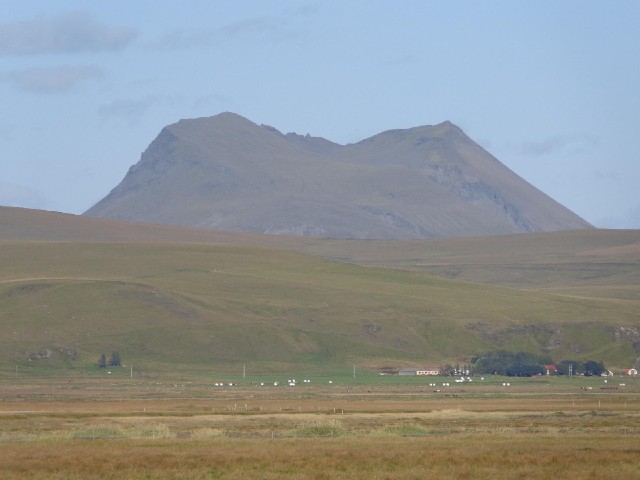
<point>534,431</point>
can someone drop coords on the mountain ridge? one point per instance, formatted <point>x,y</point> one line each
<point>226,172</point>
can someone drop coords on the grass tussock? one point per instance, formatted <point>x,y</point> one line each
<point>403,430</point>
<point>207,433</point>
<point>117,431</point>
<point>321,428</point>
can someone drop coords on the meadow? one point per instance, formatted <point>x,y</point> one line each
<point>192,311</point>
<point>187,307</point>
<point>391,429</point>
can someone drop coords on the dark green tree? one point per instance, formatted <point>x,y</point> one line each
<point>503,362</point>
<point>115,361</point>
<point>525,370</point>
<point>593,368</point>
<point>447,370</point>
<point>563,367</point>
<point>102,363</point>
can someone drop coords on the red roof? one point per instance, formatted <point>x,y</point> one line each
<point>551,368</point>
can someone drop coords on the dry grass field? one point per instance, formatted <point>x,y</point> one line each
<point>187,308</point>
<point>129,431</point>
<point>447,457</point>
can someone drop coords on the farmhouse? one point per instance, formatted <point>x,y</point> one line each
<point>632,372</point>
<point>420,371</point>
<point>551,369</point>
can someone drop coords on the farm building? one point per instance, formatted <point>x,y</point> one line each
<point>420,371</point>
<point>632,372</point>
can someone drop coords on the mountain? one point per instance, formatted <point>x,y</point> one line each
<point>228,173</point>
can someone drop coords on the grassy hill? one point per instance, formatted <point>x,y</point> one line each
<point>586,263</point>
<point>186,300</point>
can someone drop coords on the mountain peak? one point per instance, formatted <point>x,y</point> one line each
<point>226,172</point>
<point>224,119</point>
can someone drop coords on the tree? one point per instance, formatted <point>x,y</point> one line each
<point>115,361</point>
<point>593,368</point>
<point>446,370</point>
<point>565,365</point>
<point>525,370</point>
<point>503,362</point>
<point>102,363</point>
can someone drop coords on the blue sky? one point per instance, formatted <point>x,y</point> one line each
<point>552,89</point>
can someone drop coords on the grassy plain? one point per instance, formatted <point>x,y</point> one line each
<point>189,309</point>
<point>536,428</point>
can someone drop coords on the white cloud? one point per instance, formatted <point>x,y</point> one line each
<point>52,79</point>
<point>68,33</point>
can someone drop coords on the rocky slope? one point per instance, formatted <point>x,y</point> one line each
<point>228,173</point>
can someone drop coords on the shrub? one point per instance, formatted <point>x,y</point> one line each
<point>321,428</point>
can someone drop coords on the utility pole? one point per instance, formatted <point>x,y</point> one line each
<point>244,371</point>
<point>354,372</point>
<point>132,371</point>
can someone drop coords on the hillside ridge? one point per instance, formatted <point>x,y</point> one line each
<point>170,297</point>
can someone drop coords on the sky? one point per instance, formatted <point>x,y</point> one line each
<point>551,89</point>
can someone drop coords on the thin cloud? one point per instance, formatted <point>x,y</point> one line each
<point>69,33</point>
<point>633,218</point>
<point>259,28</point>
<point>21,196</point>
<point>306,10</point>
<point>52,79</point>
<point>629,219</point>
<point>127,109</point>
<point>207,101</point>
<point>558,143</point>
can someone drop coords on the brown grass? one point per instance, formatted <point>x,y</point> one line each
<point>387,435</point>
<point>441,457</point>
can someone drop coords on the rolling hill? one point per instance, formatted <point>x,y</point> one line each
<point>227,173</point>
<point>173,299</point>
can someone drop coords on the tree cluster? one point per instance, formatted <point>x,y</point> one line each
<point>513,364</point>
<point>590,368</point>
<point>114,360</point>
<point>523,364</point>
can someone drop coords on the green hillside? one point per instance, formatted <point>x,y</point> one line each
<point>583,263</point>
<point>193,307</point>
